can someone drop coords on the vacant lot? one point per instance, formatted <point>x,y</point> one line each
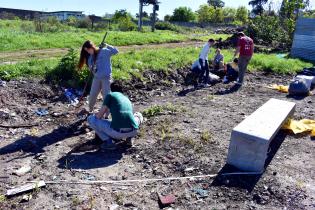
<point>188,135</point>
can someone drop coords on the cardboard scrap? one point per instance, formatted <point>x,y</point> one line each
<point>23,170</point>
<point>25,188</point>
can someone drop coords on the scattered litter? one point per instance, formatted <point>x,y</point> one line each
<point>301,126</point>
<point>281,56</point>
<point>189,169</point>
<point>200,192</point>
<point>89,177</point>
<point>280,88</point>
<point>167,199</point>
<point>3,83</point>
<point>113,206</point>
<point>72,98</point>
<point>23,170</point>
<point>57,114</point>
<point>25,188</point>
<point>41,112</point>
<point>26,198</point>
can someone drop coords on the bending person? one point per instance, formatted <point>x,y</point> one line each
<point>218,63</point>
<point>203,60</point>
<point>245,49</point>
<point>124,124</point>
<point>98,61</point>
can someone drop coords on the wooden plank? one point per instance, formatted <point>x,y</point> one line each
<point>25,188</point>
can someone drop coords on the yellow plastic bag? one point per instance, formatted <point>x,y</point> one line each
<point>301,126</point>
<point>280,88</point>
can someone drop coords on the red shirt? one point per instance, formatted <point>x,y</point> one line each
<point>246,45</point>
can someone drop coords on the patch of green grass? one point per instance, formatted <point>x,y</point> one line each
<point>136,62</point>
<point>13,37</point>
<point>31,68</point>
<point>161,109</point>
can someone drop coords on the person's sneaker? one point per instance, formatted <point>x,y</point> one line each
<point>108,146</point>
<point>225,80</point>
<point>129,142</point>
<point>139,117</point>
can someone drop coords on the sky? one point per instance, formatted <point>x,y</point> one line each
<point>101,7</point>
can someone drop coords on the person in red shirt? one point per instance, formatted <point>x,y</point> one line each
<point>245,49</point>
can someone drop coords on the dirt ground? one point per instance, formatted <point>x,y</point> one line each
<point>190,137</point>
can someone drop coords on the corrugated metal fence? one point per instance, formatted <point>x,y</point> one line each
<point>304,39</point>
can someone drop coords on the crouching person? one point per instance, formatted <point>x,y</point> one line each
<point>124,124</point>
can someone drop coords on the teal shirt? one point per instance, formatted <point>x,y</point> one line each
<point>121,110</point>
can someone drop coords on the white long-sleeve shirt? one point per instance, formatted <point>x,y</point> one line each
<point>204,52</point>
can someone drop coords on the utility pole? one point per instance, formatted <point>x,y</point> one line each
<point>155,8</point>
<point>140,15</point>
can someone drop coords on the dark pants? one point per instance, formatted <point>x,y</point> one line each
<point>204,68</point>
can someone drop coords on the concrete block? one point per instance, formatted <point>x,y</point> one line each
<point>251,138</point>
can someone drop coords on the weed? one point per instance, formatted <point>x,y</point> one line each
<point>119,198</point>
<point>159,109</point>
<point>91,201</point>
<point>152,111</point>
<point>2,198</point>
<point>206,136</point>
<point>76,201</point>
<point>210,97</point>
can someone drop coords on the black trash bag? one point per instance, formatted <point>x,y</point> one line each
<point>299,87</point>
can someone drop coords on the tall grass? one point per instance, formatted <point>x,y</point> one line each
<point>20,35</point>
<point>136,62</point>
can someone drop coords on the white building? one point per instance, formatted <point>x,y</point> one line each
<point>64,15</point>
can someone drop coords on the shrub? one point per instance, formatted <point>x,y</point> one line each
<point>66,72</point>
<point>268,30</point>
<point>167,26</point>
<point>126,24</point>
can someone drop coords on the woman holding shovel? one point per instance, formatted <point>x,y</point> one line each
<point>98,60</point>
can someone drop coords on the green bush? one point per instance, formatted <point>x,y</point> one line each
<point>268,30</point>
<point>66,73</point>
<point>126,24</point>
<point>167,26</point>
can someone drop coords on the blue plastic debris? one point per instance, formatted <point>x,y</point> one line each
<point>200,192</point>
<point>72,98</point>
<point>281,55</point>
<point>41,112</point>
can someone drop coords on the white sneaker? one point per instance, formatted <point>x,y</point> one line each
<point>139,118</point>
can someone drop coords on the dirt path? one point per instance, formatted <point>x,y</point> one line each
<point>190,137</point>
<point>18,56</point>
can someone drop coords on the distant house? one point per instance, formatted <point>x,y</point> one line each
<point>304,39</point>
<point>63,15</point>
<point>32,14</point>
<point>22,14</point>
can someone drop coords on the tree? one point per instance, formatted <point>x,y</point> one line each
<point>218,16</point>
<point>205,13</point>
<point>121,14</point>
<point>229,14</point>
<point>242,14</point>
<point>289,12</point>
<point>167,18</point>
<point>216,3</point>
<point>183,14</point>
<point>290,8</point>
<point>258,6</point>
